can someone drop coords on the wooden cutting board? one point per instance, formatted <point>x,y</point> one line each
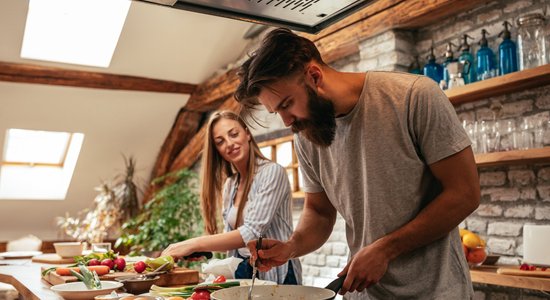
<point>52,258</point>
<point>177,276</point>
<point>517,272</point>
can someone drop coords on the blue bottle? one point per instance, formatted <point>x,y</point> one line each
<point>507,52</point>
<point>414,67</point>
<point>448,59</point>
<point>467,59</point>
<point>433,69</point>
<point>485,67</point>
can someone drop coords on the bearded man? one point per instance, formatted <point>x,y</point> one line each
<point>386,151</point>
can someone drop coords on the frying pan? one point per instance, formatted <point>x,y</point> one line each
<point>277,292</point>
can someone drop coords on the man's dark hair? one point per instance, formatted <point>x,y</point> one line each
<point>281,54</point>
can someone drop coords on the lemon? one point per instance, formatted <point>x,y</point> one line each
<point>463,231</point>
<point>471,240</point>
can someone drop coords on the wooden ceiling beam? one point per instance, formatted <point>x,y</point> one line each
<point>26,73</point>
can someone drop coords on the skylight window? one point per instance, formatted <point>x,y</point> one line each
<point>74,31</point>
<point>38,164</point>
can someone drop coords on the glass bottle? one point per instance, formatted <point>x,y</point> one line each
<point>507,52</point>
<point>449,58</point>
<point>531,41</point>
<point>467,59</point>
<point>433,69</point>
<point>485,66</point>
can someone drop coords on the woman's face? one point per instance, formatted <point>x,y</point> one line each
<point>231,141</point>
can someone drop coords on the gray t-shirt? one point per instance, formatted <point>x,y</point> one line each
<point>376,175</point>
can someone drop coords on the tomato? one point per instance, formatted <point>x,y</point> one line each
<point>219,279</point>
<point>120,263</point>
<point>94,262</point>
<point>139,266</point>
<point>200,295</point>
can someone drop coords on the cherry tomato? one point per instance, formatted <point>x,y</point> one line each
<point>219,279</point>
<point>200,295</point>
<point>139,266</point>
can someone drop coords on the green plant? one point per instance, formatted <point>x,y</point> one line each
<point>171,216</point>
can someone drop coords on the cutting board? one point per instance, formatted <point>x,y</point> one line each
<point>52,258</point>
<point>517,272</point>
<point>177,276</point>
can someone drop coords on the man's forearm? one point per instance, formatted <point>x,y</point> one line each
<point>315,225</point>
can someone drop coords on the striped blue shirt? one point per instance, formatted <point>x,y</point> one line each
<point>267,211</point>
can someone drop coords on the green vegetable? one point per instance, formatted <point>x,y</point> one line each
<point>159,261</point>
<point>90,279</point>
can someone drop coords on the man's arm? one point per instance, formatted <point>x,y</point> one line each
<point>459,198</point>
<point>313,230</point>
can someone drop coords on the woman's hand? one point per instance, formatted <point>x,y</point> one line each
<point>181,249</point>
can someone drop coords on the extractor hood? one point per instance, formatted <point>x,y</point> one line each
<point>303,15</point>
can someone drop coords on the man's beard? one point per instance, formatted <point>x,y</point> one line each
<point>320,127</point>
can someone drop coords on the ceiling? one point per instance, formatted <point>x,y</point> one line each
<point>156,42</point>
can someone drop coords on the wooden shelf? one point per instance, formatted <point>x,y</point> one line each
<point>500,85</point>
<point>489,275</point>
<point>530,156</point>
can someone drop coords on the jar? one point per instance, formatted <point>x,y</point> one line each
<point>532,41</point>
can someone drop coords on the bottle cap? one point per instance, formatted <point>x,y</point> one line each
<point>506,32</point>
<point>483,42</point>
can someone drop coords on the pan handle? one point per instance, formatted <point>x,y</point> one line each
<point>336,284</point>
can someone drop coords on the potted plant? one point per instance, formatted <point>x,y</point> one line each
<point>172,215</point>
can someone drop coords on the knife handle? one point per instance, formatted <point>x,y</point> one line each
<point>206,254</point>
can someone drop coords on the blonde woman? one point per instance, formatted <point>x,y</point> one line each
<point>256,198</point>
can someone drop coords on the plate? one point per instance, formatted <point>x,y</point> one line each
<point>78,291</point>
<point>19,254</point>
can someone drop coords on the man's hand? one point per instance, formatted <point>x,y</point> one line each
<point>273,253</point>
<point>365,268</point>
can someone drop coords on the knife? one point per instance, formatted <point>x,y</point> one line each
<point>255,266</point>
<point>206,254</point>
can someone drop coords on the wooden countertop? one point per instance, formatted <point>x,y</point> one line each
<point>488,275</point>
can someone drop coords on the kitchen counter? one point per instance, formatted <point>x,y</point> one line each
<point>25,277</point>
<point>488,275</point>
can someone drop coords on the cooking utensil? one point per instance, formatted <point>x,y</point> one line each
<point>255,266</point>
<point>206,254</point>
<point>281,292</point>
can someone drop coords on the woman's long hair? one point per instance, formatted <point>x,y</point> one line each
<point>215,170</point>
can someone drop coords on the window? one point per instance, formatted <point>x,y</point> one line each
<point>281,150</point>
<point>38,164</point>
<point>74,31</point>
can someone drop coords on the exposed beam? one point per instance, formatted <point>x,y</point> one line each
<point>214,92</point>
<point>15,72</point>
<point>184,129</point>
<point>407,14</point>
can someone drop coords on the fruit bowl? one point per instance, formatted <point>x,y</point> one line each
<point>476,256</point>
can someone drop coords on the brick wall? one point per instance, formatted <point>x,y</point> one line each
<point>511,195</point>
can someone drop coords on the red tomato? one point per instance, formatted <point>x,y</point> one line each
<point>139,266</point>
<point>94,262</point>
<point>200,295</point>
<point>219,279</point>
<point>120,263</point>
<point>108,262</point>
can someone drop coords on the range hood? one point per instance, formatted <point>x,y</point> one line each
<point>303,15</point>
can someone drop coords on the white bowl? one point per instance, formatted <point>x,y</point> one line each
<point>68,249</point>
<point>77,290</point>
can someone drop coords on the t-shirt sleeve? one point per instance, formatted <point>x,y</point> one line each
<point>435,125</point>
<point>310,179</point>
<point>268,192</point>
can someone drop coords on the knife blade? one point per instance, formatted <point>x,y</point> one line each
<point>255,266</point>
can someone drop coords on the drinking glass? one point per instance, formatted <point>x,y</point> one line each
<point>526,135</point>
